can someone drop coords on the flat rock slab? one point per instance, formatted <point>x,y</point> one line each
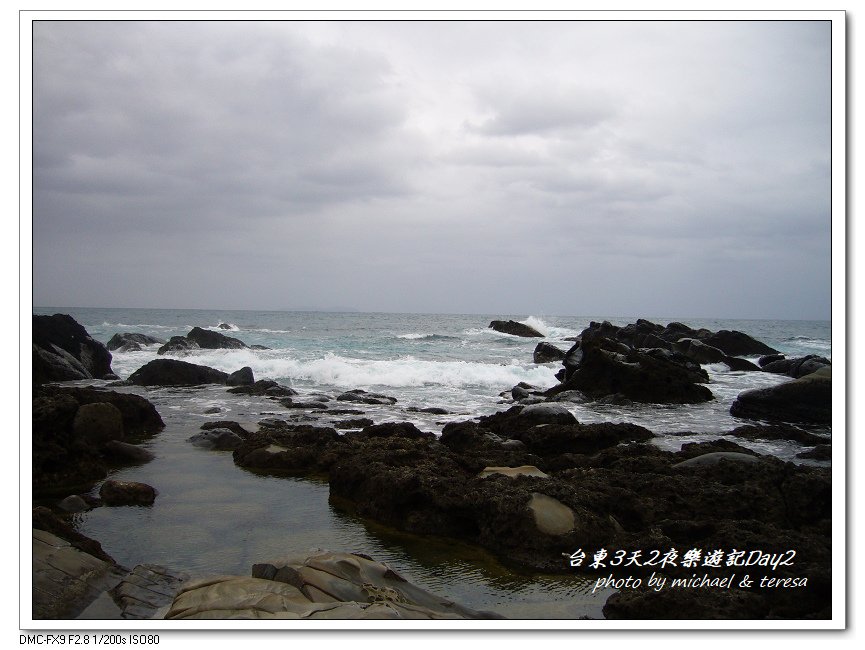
<point>66,580</point>
<point>322,586</point>
<point>147,589</point>
<point>522,470</point>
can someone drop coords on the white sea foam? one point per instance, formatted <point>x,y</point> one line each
<point>127,326</point>
<point>344,372</point>
<point>536,323</point>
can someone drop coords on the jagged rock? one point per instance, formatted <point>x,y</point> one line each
<point>199,338</point>
<point>131,342</point>
<point>547,352</point>
<point>600,368</point>
<point>514,328</point>
<point>178,344</point>
<point>172,372</point>
<point>209,340</point>
<point>242,377</point>
<point>63,351</point>
<point>280,447</point>
<point>645,334</point>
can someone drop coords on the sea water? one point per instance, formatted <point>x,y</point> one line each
<point>213,517</point>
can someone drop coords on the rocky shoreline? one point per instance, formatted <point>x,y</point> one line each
<point>531,484</point>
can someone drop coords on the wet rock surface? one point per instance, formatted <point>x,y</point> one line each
<point>199,338</point>
<point>131,342</point>
<point>127,493</point>
<point>173,372</point>
<point>600,367</point>
<point>569,486</point>
<point>64,351</point>
<point>807,399</point>
<point>515,328</point>
<point>798,367</point>
<point>324,585</point>
<point>74,429</point>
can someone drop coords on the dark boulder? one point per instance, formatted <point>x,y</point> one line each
<point>242,377</point>
<point>211,340</point>
<point>198,339</point>
<point>433,410</point>
<point>72,450</point>
<point>552,440</point>
<point>224,326</point>
<point>279,447</point>
<point>393,430</point>
<point>807,399</point>
<point>127,493</point>
<point>649,376</point>
<point>63,351</point>
<point>131,341</point>
<point>172,372</point>
<point>218,439</point>
<point>514,328</point>
<point>737,344</point>
<point>645,334</point>
<point>97,423</point>
<point>798,367</point>
<point>360,396</point>
<point>698,352</point>
<point>178,344</point>
<point>547,352</point>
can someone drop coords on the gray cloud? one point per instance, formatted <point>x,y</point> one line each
<point>663,168</point>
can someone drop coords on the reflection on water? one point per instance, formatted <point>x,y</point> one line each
<point>211,517</point>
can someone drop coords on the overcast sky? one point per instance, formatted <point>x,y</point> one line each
<point>574,168</point>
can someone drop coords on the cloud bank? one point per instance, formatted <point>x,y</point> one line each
<point>617,168</point>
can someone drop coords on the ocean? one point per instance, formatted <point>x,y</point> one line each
<point>213,517</point>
